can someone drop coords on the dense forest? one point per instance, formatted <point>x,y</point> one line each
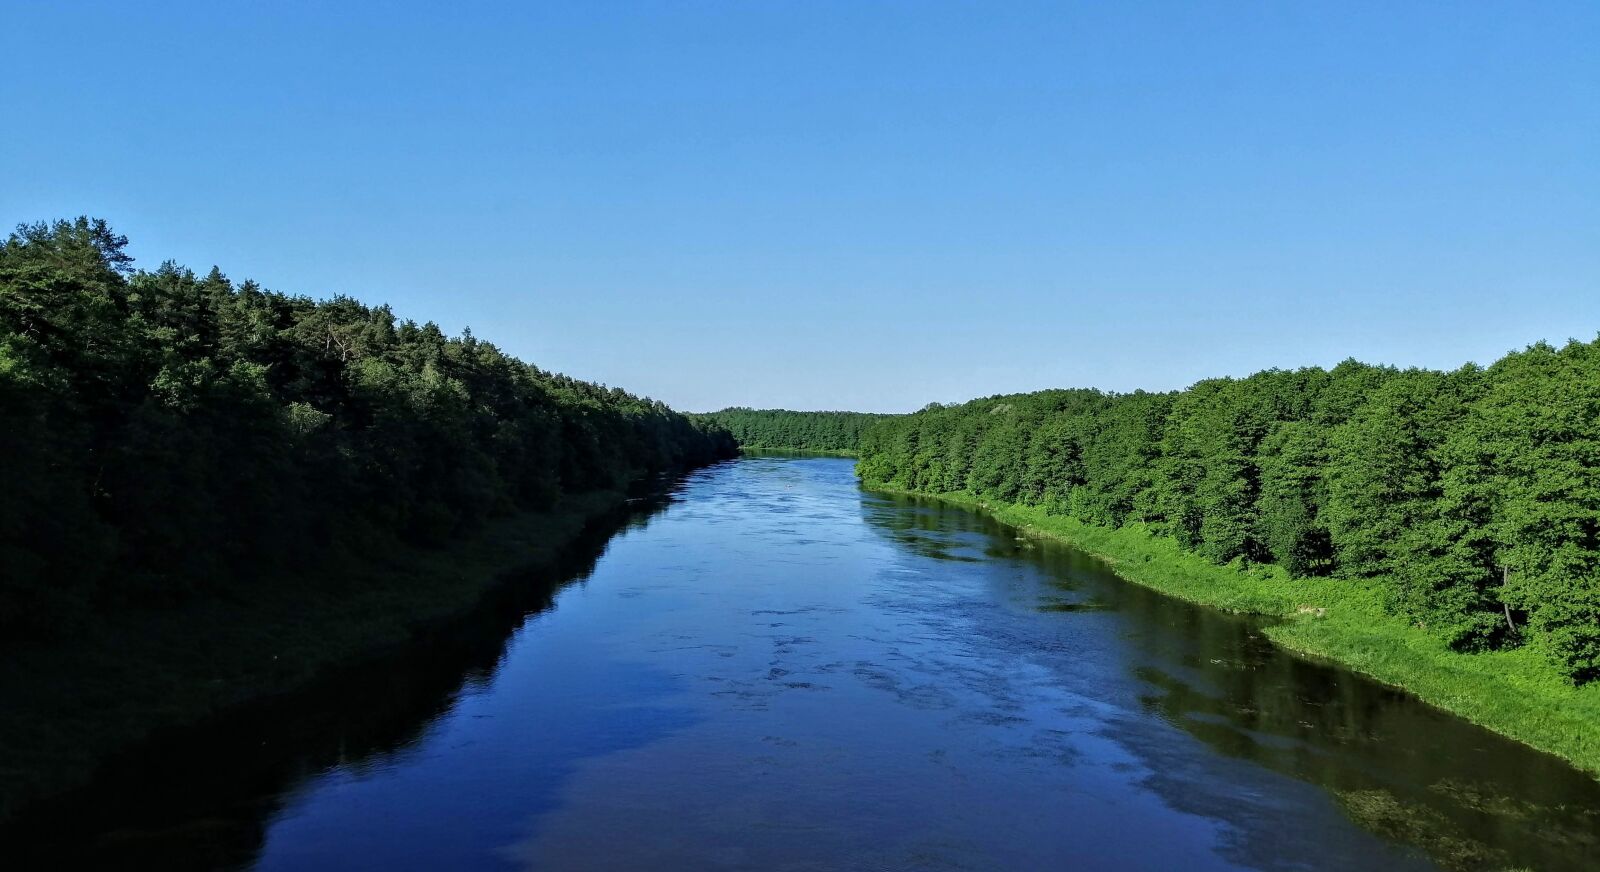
<point>1469,499</point>
<point>781,429</point>
<point>163,434</point>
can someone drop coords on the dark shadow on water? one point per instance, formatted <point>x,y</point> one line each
<point>204,797</point>
<point>1412,774</point>
<point>1086,606</point>
<point>1222,724</point>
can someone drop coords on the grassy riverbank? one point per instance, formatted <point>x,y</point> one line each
<point>71,705</point>
<point>1516,693</point>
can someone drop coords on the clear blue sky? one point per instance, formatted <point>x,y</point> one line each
<point>850,205</point>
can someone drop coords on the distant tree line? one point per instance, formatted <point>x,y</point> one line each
<point>793,431</point>
<point>163,434</point>
<point>1470,500</point>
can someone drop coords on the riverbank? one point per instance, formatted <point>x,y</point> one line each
<point>1516,693</point>
<point>71,706</point>
<point>756,451</point>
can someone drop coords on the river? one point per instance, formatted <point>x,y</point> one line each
<point>772,669</point>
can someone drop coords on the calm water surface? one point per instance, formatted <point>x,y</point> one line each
<point>776,670</point>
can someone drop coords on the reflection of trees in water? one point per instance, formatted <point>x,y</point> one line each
<point>204,797</point>
<point>1467,797</point>
<point>1398,767</point>
<point>930,528</point>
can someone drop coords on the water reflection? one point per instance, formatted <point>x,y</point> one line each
<point>206,798</point>
<point>1468,798</point>
<point>785,672</point>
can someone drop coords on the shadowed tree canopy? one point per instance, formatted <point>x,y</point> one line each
<point>164,434</point>
<point>781,429</point>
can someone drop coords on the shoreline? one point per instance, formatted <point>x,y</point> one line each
<point>797,452</point>
<point>76,707</point>
<point>1513,693</point>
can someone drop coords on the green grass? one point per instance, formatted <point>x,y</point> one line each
<point>70,705</point>
<point>1516,693</point>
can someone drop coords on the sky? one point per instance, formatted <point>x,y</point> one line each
<point>852,205</point>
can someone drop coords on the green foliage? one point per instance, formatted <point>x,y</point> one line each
<point>1290,502</point>
<point>781,429</point>
<point>164,435</point>
<point>1523,466</point>
<point>1468,502</point>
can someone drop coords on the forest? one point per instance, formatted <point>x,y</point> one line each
<point>1468,500</point>
<point>166,434</point>
<point>781,429</point>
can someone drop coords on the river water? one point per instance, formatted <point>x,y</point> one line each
<point>775,670</point>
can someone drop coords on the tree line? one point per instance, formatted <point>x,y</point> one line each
<point>781,429</point>
<point>1469,500</point>
<point>164,434</point>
